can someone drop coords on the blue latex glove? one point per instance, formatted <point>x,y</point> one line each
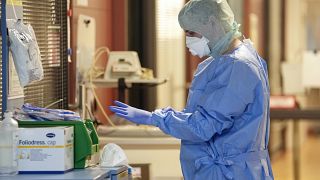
<point>132,114</point>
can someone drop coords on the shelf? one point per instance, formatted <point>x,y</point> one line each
<point>130,131</point>
<point>113,83</point>
<point>295,114</point>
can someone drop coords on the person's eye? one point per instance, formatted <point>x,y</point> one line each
<point>191,34</point>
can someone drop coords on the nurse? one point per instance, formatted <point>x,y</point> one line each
<point>224,128</point>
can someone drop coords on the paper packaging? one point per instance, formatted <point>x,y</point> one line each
<point>45,150</point>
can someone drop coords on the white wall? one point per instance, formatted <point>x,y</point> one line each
<point>295,30</point>
<point>295,44</point>
<point>296,14</point>
<point>171,61</point>
<point>275,46</point>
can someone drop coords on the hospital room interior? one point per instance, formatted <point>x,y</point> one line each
<point>87,55</point>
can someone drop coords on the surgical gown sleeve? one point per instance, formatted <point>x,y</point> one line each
<point>217,108</point>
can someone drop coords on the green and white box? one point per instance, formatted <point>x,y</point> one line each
<point>45,150</point>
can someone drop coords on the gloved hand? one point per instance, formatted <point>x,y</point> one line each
<point>132,114</point>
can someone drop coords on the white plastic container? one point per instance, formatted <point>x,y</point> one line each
<point>8,145</point>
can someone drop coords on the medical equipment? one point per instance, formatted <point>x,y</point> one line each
<point>132,114</point>
<point>86,46</point>
<point>123,69</point>
<point>35,113</point>
<point>8,145</point>
<point>46,150</point>
<point>113,156</point>
<point>123,64</point>
<point>198,46</point>
<point>25,52</point>
<point>86,40</point>
<point>86,140</point>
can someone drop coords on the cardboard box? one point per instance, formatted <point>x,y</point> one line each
<point>86,143</point>
<point>45,150</point>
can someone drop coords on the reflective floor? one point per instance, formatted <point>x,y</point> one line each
<point>310,162</point>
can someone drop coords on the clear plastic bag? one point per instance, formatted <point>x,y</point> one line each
<point>30,112</point>
<point>25,52</point>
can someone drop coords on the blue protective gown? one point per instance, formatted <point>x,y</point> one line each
<point>224,129</point>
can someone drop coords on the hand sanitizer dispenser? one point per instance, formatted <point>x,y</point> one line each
<point>8,145</point>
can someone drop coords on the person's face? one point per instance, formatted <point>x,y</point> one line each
<point>193,34</point>
<point>197,44</point>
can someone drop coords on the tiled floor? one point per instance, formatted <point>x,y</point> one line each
<point>310,162</point>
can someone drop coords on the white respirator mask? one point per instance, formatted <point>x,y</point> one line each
<point>198,47</point>
<point>113,156</point>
